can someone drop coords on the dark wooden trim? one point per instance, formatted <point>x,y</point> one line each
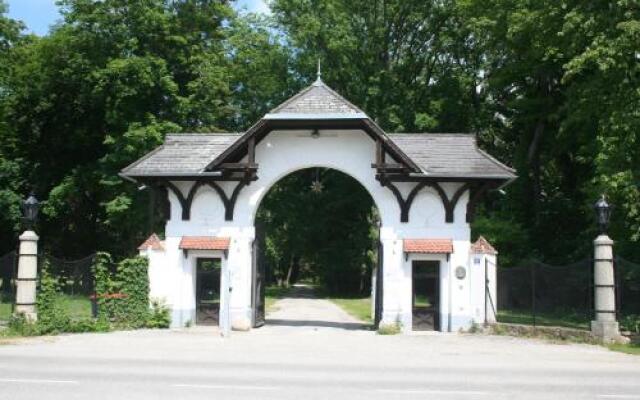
<point>193,178</point>
<point>251,150</point>
<point>257,132</point>
<point>405,204</point>
<point>389,166</point>
<point>380,153</point>
<point>239,166</point>
<point>403,177</point>
<point>181,199</point>
<point>229,202</point>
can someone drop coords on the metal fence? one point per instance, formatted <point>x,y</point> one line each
<point>535,293</point>
<point>8,268</point>
<point>75,278</point>
<point>541,294</point>
<point>627,287</point>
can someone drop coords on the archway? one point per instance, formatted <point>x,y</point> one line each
<point>317,235</point>
<point>425,186</point>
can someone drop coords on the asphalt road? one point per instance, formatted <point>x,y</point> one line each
<point>303,361</point>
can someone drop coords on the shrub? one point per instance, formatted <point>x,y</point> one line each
<point>21,326</point>
<point>133,281</point>
<point>630,323</point>
<point>389,329</point>
<point>52,316</point>
<point>159,315</point>
<point>122,297</point>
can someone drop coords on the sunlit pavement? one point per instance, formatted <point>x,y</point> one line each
<point>286,361</point>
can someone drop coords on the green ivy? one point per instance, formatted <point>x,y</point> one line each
<point>133,280</point>
<point>52,317</point>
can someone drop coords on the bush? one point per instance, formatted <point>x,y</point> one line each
<point>20,325</point>
<point>159,315</point>
<point>630,323</point>
<point>389,329</point>
<point>53,318</point>
<point>122,298</point>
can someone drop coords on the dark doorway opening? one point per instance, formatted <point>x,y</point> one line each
<point>426,295</point>
<point>208,291</point>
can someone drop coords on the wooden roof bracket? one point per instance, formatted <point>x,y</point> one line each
<point>405,204</point>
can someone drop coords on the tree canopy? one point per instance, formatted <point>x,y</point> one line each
<point>550,87</point>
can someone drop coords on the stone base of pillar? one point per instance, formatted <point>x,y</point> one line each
<point>241,324</point>
<point>29,312</point>
<point>608,331</point>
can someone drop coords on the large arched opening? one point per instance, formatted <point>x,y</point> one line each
<point>317,237</point>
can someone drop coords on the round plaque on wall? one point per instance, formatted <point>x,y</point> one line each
<point>461,272</point>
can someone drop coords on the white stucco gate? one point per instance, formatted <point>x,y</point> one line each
<point>425,187</point>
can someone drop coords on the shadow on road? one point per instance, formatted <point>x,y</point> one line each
<point>351,326</point>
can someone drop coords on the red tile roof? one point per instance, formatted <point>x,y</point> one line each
<point>204,243</point>
<point>482,246</point>
<point>428,246</point>
<point>152,241</point>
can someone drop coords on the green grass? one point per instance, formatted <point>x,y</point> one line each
<point>421,301</point>
<point>631,348</point>
<point>567,320</point>
<point>5,311</point>
<point>359,308</point>
<point>78,307</point>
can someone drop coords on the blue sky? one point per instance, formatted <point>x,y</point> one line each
<point>38,15</point>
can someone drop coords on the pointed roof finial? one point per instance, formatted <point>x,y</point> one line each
<point>318,75</point>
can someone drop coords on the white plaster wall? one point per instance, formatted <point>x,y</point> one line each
<point>481,299</point>
<point>351,152</point>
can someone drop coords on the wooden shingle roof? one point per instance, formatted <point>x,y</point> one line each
<point>184,153</point>
<point>316,101</point>
<point>450,155</point>
<point>429,155</point>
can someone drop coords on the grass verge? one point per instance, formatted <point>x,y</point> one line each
<point>524,317</point>
<point>5,311</point>
<point>630,348</point>
<point>359,308</point>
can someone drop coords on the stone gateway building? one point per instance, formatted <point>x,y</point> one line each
<point>425,187</point>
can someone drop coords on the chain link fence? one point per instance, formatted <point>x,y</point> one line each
<point>75,278</point>
<point>535,293</point>
<point>8,268</point>
<point>628,294</point>
<point>76,281</point>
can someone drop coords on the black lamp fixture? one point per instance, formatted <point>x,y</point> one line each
<point>30,209</point>
<point>603,214</point>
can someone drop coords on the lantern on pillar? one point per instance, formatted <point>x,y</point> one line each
<point>30,209</point>
<point>603,214</point>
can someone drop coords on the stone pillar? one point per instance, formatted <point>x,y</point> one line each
<point>605,325</point>
<point>27,276</point>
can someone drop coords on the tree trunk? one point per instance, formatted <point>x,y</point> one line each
<point>533,157</point>
<point>287,281</point>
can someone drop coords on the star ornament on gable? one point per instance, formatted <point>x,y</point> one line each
<point>317,187</point>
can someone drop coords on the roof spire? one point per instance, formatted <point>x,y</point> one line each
<point>318,81</point>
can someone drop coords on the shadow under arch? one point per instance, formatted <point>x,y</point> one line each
<point>303,179</point>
